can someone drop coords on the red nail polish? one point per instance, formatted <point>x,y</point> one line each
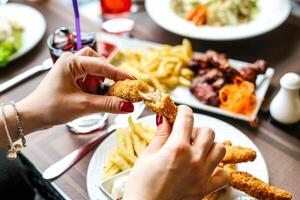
<point>159,119</point>
<point>126,106</point>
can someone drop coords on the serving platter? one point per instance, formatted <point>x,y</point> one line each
<point>265,21</point>
<point>182,95</point>
<point>30,19</point>
<point>223,130</point>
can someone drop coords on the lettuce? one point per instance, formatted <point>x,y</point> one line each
<point>8,48</point>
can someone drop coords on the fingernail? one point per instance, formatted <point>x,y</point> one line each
<point>159,119</point>
<point>126,106</point>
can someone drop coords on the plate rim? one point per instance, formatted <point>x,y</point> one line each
<point>208,38</point>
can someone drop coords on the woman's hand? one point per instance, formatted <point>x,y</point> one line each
<point>178,165</point>
<point>58,98</point>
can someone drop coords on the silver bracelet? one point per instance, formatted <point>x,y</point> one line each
<point>19,125</point>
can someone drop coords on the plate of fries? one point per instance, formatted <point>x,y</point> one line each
<point>121,149</point>
<point>165,68</point>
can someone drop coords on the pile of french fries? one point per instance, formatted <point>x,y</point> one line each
<point>131,143</point>
<point>163,67</point>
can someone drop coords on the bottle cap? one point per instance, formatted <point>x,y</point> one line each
<point>290,81</point>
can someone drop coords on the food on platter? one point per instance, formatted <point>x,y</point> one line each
<point>210,76</point>
<point>221,85</point>
<point>238,154</point>
<point>163,67</point>
<point>133,140</point>
<point>136,90</point>
<point>216,12</point>
<point>254,187</point>
<point>10,39</point>
<point>238,97</point>
<point>131,143</point>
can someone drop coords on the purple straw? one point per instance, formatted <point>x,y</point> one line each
<point>77,24</point>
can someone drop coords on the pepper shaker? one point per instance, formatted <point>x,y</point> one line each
<point>285,107</point>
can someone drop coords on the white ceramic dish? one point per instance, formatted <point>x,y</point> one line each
<point>224,131</point>
<point>262,82</point>
<point>161,12</point>
<point>107,185</point>
<point>33,22</point>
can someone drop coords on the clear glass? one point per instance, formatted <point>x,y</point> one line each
<point>115,15</point>
<point>64,40</point>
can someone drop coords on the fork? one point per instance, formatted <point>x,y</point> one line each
<point>68,161</point>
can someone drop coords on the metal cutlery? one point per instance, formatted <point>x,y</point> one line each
<point>47,64</point>
<point>68,161</point>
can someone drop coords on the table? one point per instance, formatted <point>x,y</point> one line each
<point>280,146</point>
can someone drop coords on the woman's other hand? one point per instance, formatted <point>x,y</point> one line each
<point>178,165</point>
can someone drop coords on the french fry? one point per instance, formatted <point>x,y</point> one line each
<point>112,171</point>
<point>121,137</point>
<point>185,82</point>
<point>161,67</point>
<point>109,164</point>
<point>130,158</point>
<point>128,142</point>
<point>156,83</point>
<point>132,142</point>
<point>136,129</point>
<point>120,162</point>
<point>187,73</point>
<point>141,133</point>
<point>139,145</point>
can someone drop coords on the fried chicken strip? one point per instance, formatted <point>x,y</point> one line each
<point>136,90</point>
<point>238,154</point>
<point>254,187</point>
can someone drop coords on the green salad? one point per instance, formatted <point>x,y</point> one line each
<point>10,40</point>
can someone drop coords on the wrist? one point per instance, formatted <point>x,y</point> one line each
<point>30,118</point>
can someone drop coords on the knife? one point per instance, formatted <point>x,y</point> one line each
<point>47,64</point>
<point>68,161</point>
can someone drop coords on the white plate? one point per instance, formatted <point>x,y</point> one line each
<point>182,95</point>
<point>272,13</point>
<point>224,131</point>
<point>31,20</point>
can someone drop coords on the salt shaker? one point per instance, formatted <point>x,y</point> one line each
<point>285,107</point>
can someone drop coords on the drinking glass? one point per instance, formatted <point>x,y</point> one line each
<point>115,8</point>
<point>114,15</point>
<point>64,40</point>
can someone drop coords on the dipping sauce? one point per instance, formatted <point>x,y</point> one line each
<point>118,187</point>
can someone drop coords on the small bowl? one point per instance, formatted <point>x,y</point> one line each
<point>107,184</point>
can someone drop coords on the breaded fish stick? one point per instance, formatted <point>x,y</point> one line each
<point>238,154</point>
<point>254,187</point>
<point>136,90</point>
